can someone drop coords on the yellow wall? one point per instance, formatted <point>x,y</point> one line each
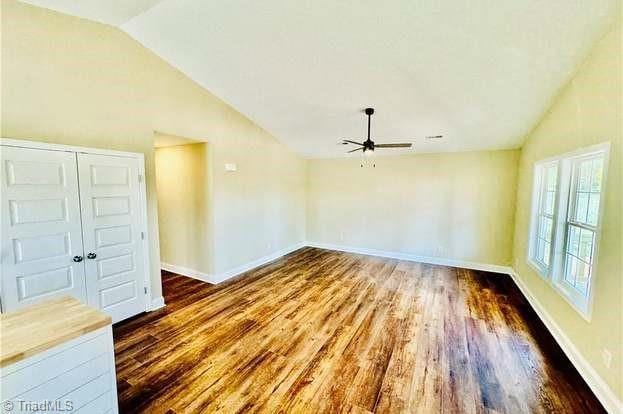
<point>184,210</point>
<point>458,206</point>
<point>73,81</point>
<point>588,111</point>
<point>258,209</point>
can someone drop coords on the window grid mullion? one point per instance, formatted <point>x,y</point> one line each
<point>582,225</point>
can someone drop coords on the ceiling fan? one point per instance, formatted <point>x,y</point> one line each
<point>368,144</point>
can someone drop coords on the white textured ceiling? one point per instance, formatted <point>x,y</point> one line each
<point>480,73</point>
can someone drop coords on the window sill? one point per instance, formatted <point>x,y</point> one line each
<point>537,268</point>
<point>579,304</point>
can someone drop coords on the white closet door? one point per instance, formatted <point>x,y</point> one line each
<point>41,231</point>
<point>110,196</point>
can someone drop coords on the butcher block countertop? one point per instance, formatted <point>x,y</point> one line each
<point>29,331</point>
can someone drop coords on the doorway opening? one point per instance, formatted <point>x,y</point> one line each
<point>182,183</point>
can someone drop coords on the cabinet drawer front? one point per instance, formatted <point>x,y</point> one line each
<point>102,404</point>
<point>60,388</point>
<point>90,391</point>
<point>53,367</point>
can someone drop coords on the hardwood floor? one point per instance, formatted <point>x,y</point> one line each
<point>323,331</point>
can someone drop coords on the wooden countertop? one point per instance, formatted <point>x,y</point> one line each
<point>39,327</point>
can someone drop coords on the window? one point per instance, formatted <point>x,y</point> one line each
<point>547,178</point>
<point>565,222</point>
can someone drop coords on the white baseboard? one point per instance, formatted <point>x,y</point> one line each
<point>186,271</point>
<point>157,303</point>
<point>414,258</point>
<point>256,263</point>
<point>221,277</point>
<point>600,388</point>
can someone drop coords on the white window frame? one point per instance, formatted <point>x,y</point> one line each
<point>538,186</point>
<point>563,206</point>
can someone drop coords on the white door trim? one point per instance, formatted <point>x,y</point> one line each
<point>10,142</point>
<point>145,235</point>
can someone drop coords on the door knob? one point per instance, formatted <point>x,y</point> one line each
<point>91,256</point>
<point>77,259</point>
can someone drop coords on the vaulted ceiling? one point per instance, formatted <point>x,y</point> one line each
<point>480,73</point>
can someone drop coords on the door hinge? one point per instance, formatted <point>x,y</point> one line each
<point>140,178</point>
<point>145,290</point>
<point>142,235</point>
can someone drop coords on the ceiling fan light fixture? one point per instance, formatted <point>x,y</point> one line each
<point>368,158</point>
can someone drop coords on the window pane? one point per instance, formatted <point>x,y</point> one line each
<point>551,178</point>
<point>546,228</point>
<point>546,247</point>
<point>542,227</point>
<point>573,243</point>
<point>570,269</point>
<point>582,279</point>
<point>581,207</point>
<point>584,176</point>
<point>540,250</point>
<point>597,169</point>
<point>579,257</point>
<point>577,274</point>
<point>543,221</point>
<point>548,207</point>
<point>593,209</point>
<point>586,245</point>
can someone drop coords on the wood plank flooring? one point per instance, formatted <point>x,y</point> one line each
<point>324,331</point>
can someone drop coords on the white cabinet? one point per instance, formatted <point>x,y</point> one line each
<point>73,224</point>
<point>57,356</point>
<point>77,376</point>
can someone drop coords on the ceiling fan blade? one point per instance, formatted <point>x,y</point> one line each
<point>352,142</point>
<point>403,145</point>
<point>356,149</point>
